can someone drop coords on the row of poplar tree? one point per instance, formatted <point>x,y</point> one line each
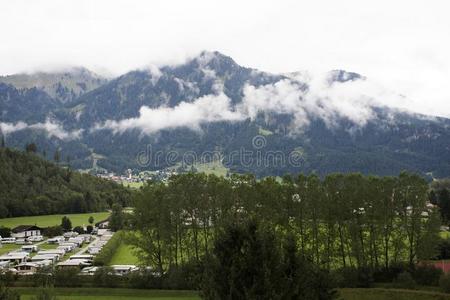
<point>342,220</point>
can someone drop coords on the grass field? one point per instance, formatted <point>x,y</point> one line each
<point>124,255</point>
<point>391,294</point>
<point>215,167</point>
<point>51,220</point>
<point>133,185</point>
<point>8,247</point>
<point>113,294</point>
<point>116,294</point>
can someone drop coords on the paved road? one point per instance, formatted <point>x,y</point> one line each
<point>83,250</point>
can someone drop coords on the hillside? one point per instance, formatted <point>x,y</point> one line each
<point>30,185</point>
<point>152,118</point>
<point>63,86</point>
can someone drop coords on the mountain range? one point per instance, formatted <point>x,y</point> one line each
<point>211,109</point>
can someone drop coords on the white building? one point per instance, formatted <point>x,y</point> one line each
<point>15,257</point>
<point>24,231</point>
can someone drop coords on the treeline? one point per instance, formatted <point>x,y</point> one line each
<point>344,220</point>
<point>30,185</point>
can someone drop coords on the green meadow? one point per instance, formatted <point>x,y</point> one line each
<point>124,255</point>
<point>52,220</point>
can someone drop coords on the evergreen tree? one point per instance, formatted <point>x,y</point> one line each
<point>57,156</point>
<point>116,220</point>
<point>444,204</point>
<point>66,224</point>
<point>31,148</point>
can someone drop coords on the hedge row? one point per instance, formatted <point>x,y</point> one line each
<point>107,252</point>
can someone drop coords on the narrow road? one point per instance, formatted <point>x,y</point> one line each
<point>83,250</point>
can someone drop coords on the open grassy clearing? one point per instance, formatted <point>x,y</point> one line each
<point>390,294</point>
<point>52,220</point>
<point>215,167</point>
<point>113,294</point>
<point>124,255</point>
<point>133,185</point>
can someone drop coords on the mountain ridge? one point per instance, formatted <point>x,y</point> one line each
<point>210,102</point>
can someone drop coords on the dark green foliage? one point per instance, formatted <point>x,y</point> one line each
<point>8,294</point>
<point>91,218</point>
<point>107,252</point>
<point>351,277</point>
<point>117,218</point>
<point>89,229</point>
<point>443,200</point>
<point>426,275</point>
<point>104,277</point>
<point>78,229</point>
<point>66,224</point>
<point>404,281</point>
<point>444,249</point>
<point>30,185</point>
<point>5,231</point>
<point>147,279</point>
<point>31,148</point>
<point>358,223</point>
<point>57,157</point>
<point>67,277</point>
<point>444,283</point>
<point>247,263</point>
<point>53,231</point>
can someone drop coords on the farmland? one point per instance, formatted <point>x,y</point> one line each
<point>52,220</point>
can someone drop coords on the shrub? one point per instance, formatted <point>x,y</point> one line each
<point>107,252</point>
<point>89,229</point>
<point>5,231</point>
<point>391,273</point>
<point>78,229</point>
<point>444,283</point>
<point>404,281</point>
<point>67,277</point>
<point>145,279</point>
<point>427,275</point>
<point>104,277</point>
<point>354,277</point>
<point>444,249</point>
<point>53,231</point>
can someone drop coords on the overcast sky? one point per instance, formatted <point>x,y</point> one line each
<point>403,45</point>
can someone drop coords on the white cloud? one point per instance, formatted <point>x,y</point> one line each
<point>402,44</point>
<point>51,128</point>
<point>209,108</point>
<point>352,100</point>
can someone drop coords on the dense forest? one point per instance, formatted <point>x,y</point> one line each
<point>30,185</point>
<point>343,220</point>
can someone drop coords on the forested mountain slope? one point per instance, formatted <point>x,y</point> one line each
<point>30,185</point>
